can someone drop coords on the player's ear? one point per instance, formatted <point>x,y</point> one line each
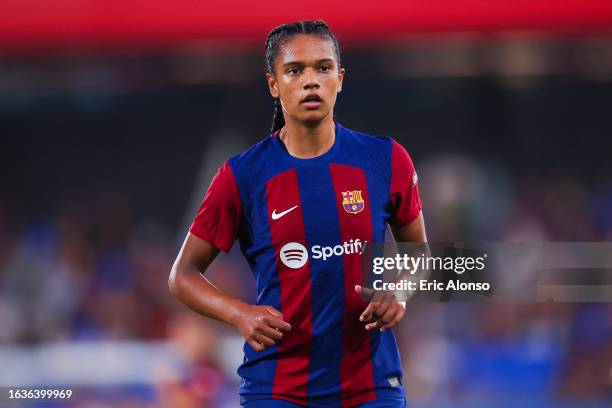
<point>341,73</point>
<point>272,84</point>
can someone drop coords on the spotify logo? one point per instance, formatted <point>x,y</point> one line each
<point>294,255</point>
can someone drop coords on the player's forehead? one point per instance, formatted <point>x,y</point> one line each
<point>306,49</point>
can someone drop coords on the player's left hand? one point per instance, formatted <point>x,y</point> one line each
<point>383,312</point>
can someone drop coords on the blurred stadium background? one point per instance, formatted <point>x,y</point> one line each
<point>115,116</point>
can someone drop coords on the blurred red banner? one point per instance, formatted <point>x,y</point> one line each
<point>35,24</point>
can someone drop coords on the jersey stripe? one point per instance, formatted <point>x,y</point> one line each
<point>291,376</point>
<point>323,230</point>
<point>356,373</point>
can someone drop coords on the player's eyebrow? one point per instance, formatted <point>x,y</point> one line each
<point>300,63</point>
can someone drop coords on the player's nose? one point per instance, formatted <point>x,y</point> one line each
<point>310,79</point>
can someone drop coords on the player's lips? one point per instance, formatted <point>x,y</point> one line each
<point>312,101</point>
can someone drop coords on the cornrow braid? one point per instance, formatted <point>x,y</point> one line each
<point>278,37</point>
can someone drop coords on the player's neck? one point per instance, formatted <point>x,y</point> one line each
<point>307,142</point>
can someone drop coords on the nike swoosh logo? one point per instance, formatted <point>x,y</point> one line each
<point>276,216</point>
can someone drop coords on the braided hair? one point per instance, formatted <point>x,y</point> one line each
<point>277,38</point>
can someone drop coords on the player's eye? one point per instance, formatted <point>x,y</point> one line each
<point>293,70</point>
<point>325,68</point>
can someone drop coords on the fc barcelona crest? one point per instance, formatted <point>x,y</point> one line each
<point>352,201</point>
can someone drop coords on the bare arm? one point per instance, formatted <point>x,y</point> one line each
<point>188,285</point>
<point>261,326</point>
<point>385,314</point>
<point>413,232</point>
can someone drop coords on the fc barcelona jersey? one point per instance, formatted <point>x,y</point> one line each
<point>300,224</point>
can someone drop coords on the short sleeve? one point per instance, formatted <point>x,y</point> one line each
<point>220,213</point>
<point>405,200</point>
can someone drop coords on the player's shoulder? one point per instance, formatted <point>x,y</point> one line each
<point>370,139</point>
<point>372,144</point>
<point>379,141</point>
<point>249,159</point>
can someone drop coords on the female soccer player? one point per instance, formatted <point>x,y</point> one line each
<point>301,203</point>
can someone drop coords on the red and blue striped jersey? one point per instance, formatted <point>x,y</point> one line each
<point>300,223</point>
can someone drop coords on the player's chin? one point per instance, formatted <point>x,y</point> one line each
<point>314,116</point>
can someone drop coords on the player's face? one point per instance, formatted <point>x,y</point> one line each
<point>306,78</point>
